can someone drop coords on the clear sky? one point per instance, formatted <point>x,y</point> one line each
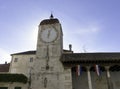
<point>89,25</point>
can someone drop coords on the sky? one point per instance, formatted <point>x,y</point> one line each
<point>89,25</point>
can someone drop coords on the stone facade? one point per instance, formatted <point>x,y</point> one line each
<point>22,64</point>
<point>51,67</point>
<point>12,85</point>
<point>48,71</point>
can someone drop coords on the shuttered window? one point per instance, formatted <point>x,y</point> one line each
<point>17,88</point>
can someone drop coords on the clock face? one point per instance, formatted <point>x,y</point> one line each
<point>48,35</point>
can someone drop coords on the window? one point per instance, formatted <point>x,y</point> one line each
<point>31,59</point>
<point>17,88</point>
<point>16,59</point>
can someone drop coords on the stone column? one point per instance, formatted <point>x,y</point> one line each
<point>109,82</point>
<point>89,77</point>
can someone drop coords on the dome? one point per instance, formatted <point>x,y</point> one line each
<point>49,21</point>
<point>52,20</point>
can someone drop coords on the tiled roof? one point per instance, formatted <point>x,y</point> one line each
<point>34,52</point>
<point>4,67</point>
<point>69,56</point>
<point>49,21</point>
<point>91,57</point>
<point>25,53</point>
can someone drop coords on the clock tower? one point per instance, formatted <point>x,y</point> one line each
<point>48,72</point>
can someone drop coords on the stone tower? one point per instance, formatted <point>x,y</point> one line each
<point>48,71</point>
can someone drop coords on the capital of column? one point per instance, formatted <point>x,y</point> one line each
<point>88,68</point>
<point>107,67</point>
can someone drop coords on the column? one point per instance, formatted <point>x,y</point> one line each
<point>109,82</point>
<point>89,77</point>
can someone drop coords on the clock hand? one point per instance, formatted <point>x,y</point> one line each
<point>47,65</point>
<point>48,33</point>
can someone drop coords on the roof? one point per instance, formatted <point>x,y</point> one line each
<point>83,58</point>
<point>25,53</point>
<point>34,52</point>
<point>49,21</point>
<point>91,58</point>
<point>4,67</point>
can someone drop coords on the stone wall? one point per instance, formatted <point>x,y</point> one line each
<point>13,85</point>
<point>22,65</point>
<point>115,79</point>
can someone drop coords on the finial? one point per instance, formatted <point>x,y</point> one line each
<point>70,47</point>
<point>51,16</point>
